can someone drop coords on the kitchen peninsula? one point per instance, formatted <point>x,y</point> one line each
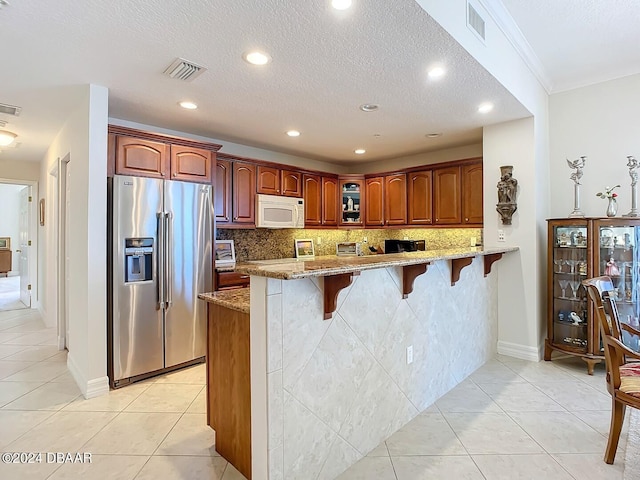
<point>327,358</point>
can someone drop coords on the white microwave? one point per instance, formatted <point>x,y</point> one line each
<point>273,211</point>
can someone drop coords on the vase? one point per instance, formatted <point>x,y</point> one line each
<point>612,208</point>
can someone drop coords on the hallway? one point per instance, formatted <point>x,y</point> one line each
<point>10,294</point>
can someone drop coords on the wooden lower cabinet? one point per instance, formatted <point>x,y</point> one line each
<point>447,197</point>
<point>5,261</point>
<point>230,280</point>
<point>229,385</point>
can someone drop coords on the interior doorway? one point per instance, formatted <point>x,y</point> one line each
<point>17,244</point>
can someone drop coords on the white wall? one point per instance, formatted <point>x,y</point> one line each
<point>10,224</point>
<point>84,138</point>
<point>524,144</point>
<point>11,169</point>
<point>602,122</point>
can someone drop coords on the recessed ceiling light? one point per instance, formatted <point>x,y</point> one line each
<point>436,72</point>
<point>485,108</point>
<point>293,133</point>
<point>340,4</point>
<point>369,107</point>
<point>188,105</point>
<point>6,138</point>
<point>433,135</point>
<point>257,58</point>
<point>359,151</point>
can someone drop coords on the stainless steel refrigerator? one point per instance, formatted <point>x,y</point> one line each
<point>159,259</point>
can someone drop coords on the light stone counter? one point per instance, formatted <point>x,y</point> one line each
<point>290,269</point>
<point>326,392</point>
<point>237,299</point>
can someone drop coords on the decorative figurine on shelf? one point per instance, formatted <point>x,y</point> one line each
<point>612,269</point>
<point>627,241</point>
<point>632,163</point>
<point>578,165</point>
<point>350,204</point>
<point>507,190</point>
<point>575,318</point>
<point>581,240</point>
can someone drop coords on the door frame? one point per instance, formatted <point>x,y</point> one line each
<point>33,236</point>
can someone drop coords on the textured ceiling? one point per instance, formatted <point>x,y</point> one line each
<point>581,42</point>
<point>325,64</point>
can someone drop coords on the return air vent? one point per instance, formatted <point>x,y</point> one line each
<point>475,22</point>
<point>184,70</point>
<point>10,109</point>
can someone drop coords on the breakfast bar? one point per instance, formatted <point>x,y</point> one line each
<point>326,358</point>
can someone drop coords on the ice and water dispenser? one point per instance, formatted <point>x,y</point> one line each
<point>138,254</point>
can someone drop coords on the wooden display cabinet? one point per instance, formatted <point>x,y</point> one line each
<point>580,249</point>
<point>352,195</point>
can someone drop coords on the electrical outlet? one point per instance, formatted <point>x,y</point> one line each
<point>319,241</point>
<point>364,239</point>
<point>473,241</point>
<point>409,354</point>
<point>501,237</point>
<point>405,238</point>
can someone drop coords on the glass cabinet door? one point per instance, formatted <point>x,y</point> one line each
<point>569,305</point>
<point>617,257</point>
<point>351,202</point>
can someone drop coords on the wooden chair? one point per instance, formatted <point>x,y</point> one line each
<point>623,379</point>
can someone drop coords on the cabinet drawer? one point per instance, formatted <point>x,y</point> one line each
<point>231,279</point>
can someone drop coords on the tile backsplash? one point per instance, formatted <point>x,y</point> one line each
<point>265,244</point>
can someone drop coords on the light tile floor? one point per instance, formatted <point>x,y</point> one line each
<point>511,419</point>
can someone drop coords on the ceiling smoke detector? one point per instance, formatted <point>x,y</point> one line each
<point>183,69</point>
<point>10,109</point>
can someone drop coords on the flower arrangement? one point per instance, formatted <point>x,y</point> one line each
<point>608,192</point>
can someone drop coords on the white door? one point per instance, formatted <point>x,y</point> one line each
<point>25,246</point>
<point>66,171</point>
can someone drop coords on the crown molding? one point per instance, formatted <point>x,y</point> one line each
<point>505,22</point>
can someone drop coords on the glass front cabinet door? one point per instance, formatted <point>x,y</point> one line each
<point>580,249</point>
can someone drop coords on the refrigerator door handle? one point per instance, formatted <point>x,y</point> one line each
<point>160,260</point>
<point>169,257</point>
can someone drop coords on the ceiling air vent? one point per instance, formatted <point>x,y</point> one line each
<point>10,109</point>
<point>184,70</point>
<point>475,22</point>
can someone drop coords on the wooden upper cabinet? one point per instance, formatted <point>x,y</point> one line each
<point>291,183</point>
<point>419,198</point>
<point>191,164</point>
<point>222,191</point>
<point>139,157</point>
<point>447,197</point>
<point>268,180</point>
<point>312,200</point>
<point>330,189</point>
<point>472,194</point>
<point>374,207</point>
<point>395,198</point>
<point>244,188</point>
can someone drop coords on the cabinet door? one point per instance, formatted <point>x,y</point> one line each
<point>395,199</point>
<point>472,193</point>
<point>312,200</point>
<point>374,208</point>
<point>142,158</point>
<point>222,191</point>
<point>268,180</point>
<point>351,201</point>
<point>191,164</point>
<point>244,187</point>
<point>419,198</point>
<point>330,201</point>
<point>291,183</point>
<point>447,196</point>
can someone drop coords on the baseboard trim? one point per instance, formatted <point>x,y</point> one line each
<point>524,352</point>
<point>89,388</point>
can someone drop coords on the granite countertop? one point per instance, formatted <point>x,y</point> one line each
<point>236,299</point>
<point>290,269</point>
